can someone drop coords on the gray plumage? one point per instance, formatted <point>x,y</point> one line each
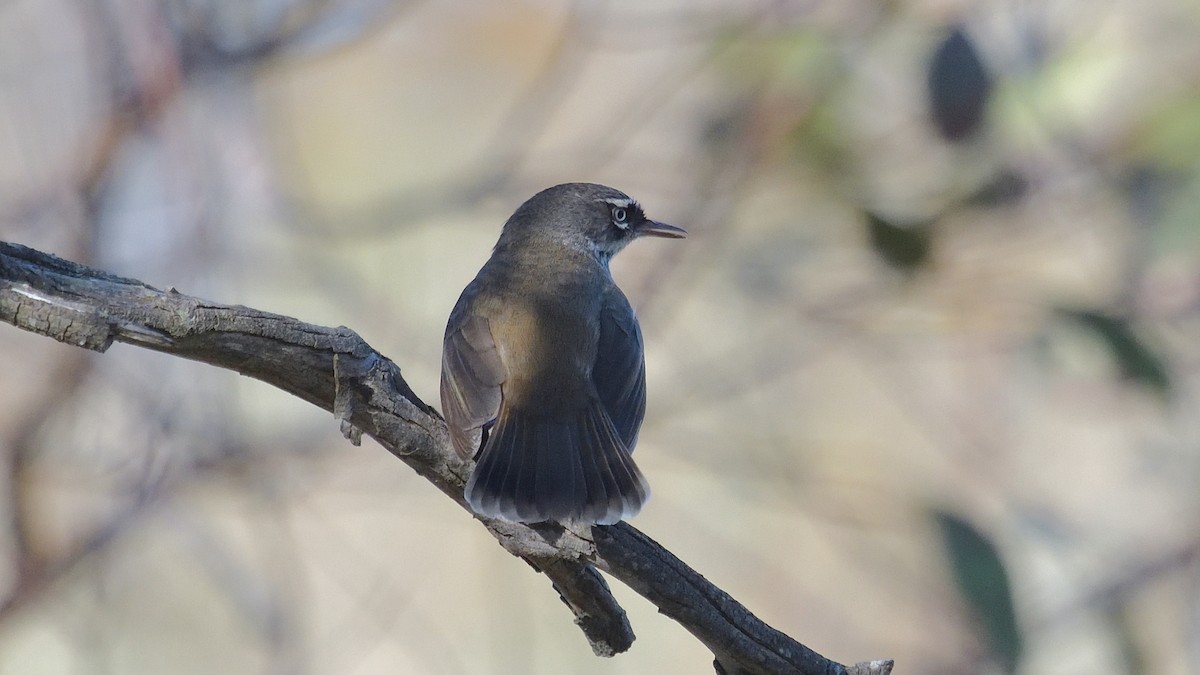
<point>543,363</point>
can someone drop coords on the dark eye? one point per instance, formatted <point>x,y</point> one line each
<point>620,215</point>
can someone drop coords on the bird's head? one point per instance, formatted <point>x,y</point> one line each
<point>592,218</point>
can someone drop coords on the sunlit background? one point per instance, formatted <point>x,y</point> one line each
<point>923,379</point>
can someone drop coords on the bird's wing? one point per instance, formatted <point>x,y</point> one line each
<point>472,373</point>
<point>620,370</point>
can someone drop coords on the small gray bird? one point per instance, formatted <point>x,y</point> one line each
<point>542,365</point>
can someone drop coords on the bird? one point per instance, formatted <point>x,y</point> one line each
<point>543,369</point>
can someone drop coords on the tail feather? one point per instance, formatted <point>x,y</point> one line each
<point>501,475</point>
<point>616,474</point>
<point>536,468</point>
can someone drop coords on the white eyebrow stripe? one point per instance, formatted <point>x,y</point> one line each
<point>623,202</point>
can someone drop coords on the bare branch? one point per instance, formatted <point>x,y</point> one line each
<point>333,368</point>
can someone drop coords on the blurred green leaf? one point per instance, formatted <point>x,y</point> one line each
<point>819,140</point>
<point>903,245</point>
<point>1170,135</point>
<point>1137,360</point>
<point>983,581</point>
<point>959,86</point>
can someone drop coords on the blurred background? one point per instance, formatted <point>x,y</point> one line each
<point>923,378</point>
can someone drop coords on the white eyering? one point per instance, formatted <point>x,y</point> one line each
<point>624,204</point>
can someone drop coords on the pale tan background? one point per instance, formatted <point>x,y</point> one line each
<point>350,162</point>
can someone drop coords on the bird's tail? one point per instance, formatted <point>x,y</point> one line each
<point>536,468</point>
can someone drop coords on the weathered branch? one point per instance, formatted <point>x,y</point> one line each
<point>333,368</point>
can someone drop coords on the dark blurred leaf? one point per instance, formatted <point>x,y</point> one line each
<point>903,245</point>
<point>1137,361</point>
<point>1004,188</point>
<point>959,86</point>
<point>983,582</point>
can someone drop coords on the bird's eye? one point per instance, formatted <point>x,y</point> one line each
<point>620,216</point>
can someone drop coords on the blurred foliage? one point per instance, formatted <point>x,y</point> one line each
<point>905,246</point>
<point>1005,188</point>
<point>959,86</point>
<point>1124,626</point>
<point>983,581</point>
<point>1137,361</point>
